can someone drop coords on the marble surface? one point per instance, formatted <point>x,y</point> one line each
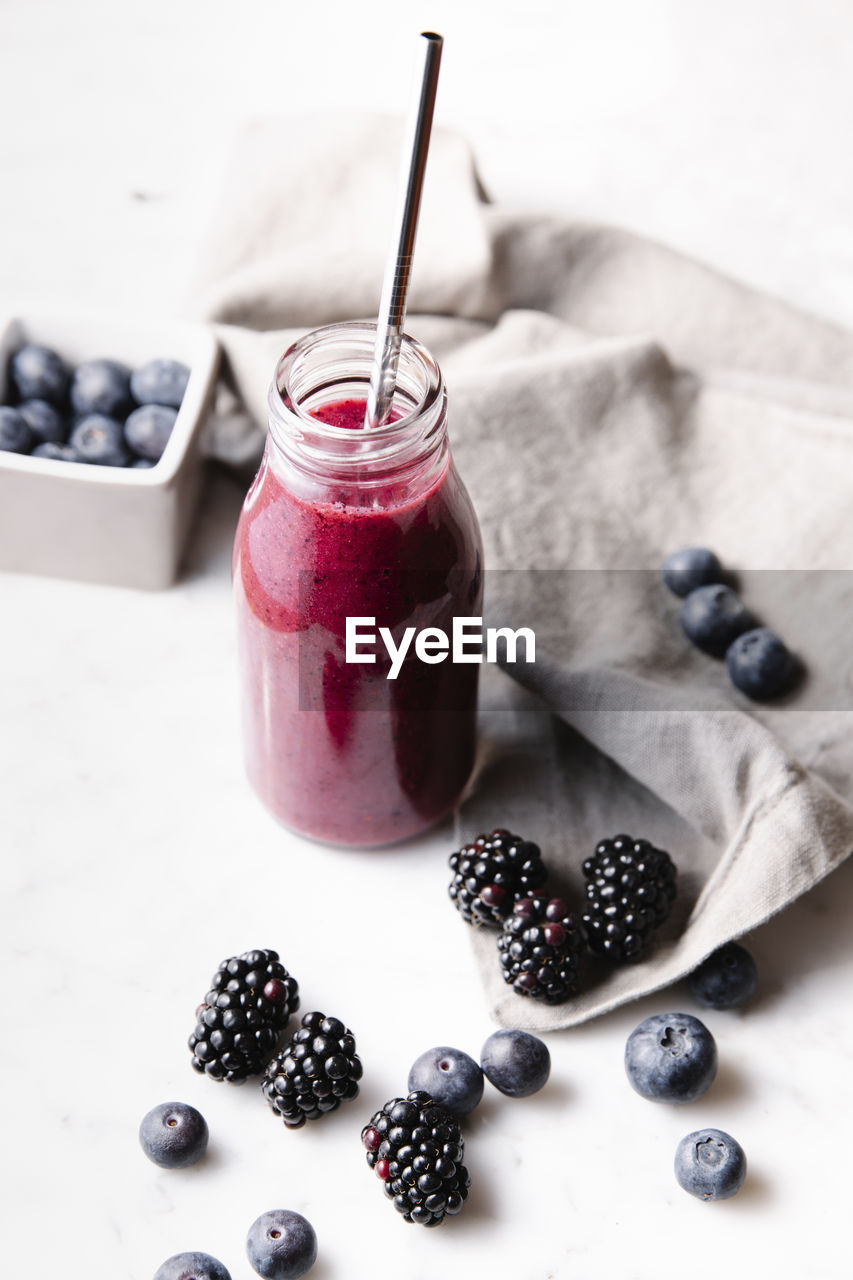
<point>134,855</point>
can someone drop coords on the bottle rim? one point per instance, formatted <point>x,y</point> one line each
<point>334,362</point>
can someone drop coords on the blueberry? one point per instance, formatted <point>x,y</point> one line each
<point>671,1057</point>
<point>15,434</point>
<point>142,464</point>
<point>160,382</point>
<point>712,617</point>
<point>147,430</point>
<point>173,1135</point>
<point>759,664</point>
<point>725,979</point>
<point>281,1245</point>
<point>515,1062</point>
<point>46,424</point>
<point>101,386</point>
<point>100,440</point>
<point>451,1078</point>
<point>39,374</point>
<point>689,568</point>
<point>59,452</point>
<point>710,1164</point>
<point>192,1266</point>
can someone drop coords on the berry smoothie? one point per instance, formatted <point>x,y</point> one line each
<point>336,750</point>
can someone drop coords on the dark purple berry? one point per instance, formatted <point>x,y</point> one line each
<point>712,617</point>
<point>418,1158</point>
<point>38,373</point>
<point>689,568</point>
<point>726,979</point>
<point>46,423</point>
<point>281,1245</point>
<point>192,1266</point>
<point>58,452</point>
<point>147,430</point>
<point>533,965</point>
<point>515,1062</point>
<point>101,386</point>
<point>671,1057</point>
<point>630,888</point>
<point>314,1073</point>
<point>451,1078</point>
<point>710,1164</point>
<point>100,441</point>
<point>160,381</point>
<point>174,1135</point>
<point>491,872</point>
<point>237,1026</point>
<point>759,664</point>
<point>15,434</point>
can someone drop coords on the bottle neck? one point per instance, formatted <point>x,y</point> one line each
<point>361,467</point>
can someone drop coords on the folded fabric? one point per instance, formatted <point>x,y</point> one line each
<point>610,401</point>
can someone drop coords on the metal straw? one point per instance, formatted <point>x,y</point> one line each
<point>395,284</point>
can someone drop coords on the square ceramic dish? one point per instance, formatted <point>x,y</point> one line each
<point>107,524</point>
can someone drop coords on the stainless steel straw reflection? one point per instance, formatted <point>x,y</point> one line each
<point>395,284</point>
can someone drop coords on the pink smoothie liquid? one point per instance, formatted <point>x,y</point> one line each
<point>336,750</point>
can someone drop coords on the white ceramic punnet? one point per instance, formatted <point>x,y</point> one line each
<point>115,525</point>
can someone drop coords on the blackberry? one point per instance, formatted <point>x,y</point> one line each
<point>314,1073</point>
<point>540,949</point>
<point>239,1021</point>
<point>630,888</point>
<point>490,873</point>
<point>416,1148</point>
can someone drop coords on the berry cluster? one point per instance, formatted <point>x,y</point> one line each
<point>238,1033</point>
<point>414,1143</point>
<point>239,1026</point>
<point>100,412</point>
<point>499,879</point>
<point>715,619</point>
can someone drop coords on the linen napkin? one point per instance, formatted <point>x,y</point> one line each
<point>610,400</point>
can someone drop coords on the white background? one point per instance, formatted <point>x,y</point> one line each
<point>135,855</point>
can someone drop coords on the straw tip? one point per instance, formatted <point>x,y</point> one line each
<point>433,37</point>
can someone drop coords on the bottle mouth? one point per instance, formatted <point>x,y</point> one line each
<point>334,363</point>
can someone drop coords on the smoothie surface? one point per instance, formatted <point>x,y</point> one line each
<point>349,414</point>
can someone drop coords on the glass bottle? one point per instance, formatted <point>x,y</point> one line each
<point>343,523</point>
